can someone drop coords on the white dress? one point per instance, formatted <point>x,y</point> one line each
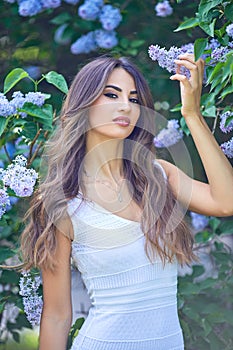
<point>134,304</point>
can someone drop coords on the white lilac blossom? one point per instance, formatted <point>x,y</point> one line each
<point>169,136</point>
<point>163,9</point>
<point>20,179</point>
<point>85,44</point>
<point>29,8</point>
<point>110,17</point>
<point>223,119</point>
<point>89,10</point>
<point>106,39</point>
<point>229,30</point>
<point>4,200</point>
<point>227,148</point>
<point>32,301</point>
<point>199,222</point>
<point>165,58</point>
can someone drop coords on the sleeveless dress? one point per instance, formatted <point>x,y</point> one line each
<point>133,301</point>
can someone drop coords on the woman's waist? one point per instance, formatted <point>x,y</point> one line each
<point>135,297</point>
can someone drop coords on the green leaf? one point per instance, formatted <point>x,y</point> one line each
<point>43,114</point>
<point>214,72</point>
<point>184,126</point>
<point>214,223</point>
<point>208,27</point>
<point>229,12</point>
<point>57,80</point>
<point>199,47</point>
<point>16,336</point>
<point>137,43</point>
<point>226,227</point>
<point>209,112</point>
<point>3,124</point>
<point>206,5</point>
<point>227,91</point>
<point>13,78</point>
<point>61,19</point>
<point>189,23</point>
<point>203,237</point>
<point>5,253</point>
<point>177,108</point>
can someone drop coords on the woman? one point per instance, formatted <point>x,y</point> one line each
<point>118,212</point>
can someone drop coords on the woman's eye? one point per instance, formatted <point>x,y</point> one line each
<point>110,95</point>
<point>134,100</point>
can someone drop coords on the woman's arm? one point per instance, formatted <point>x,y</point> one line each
<point>216,197</point>
<point>57,310</point>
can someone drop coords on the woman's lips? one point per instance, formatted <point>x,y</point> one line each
<point>122,121</point>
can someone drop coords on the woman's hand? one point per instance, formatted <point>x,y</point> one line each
<point>190,88</point>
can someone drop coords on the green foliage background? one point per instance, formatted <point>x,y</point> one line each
<point>204,304</point>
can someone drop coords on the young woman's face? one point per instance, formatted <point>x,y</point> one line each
<point>115,113</point>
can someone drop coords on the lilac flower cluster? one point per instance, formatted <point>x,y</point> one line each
<point>199,222</point>
<point>227,148</point>
<point>18,178</point>
<point>165,58</point>
<point>105,38</point>
<point>163,9</point>
<point>29,8</point>
<point>8,108</point>
<point>32,301</point>
<point>223,118</point>
<point>169,136</point>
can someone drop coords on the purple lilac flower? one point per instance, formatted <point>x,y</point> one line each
<point>213,44</point>
<point>229,30</point>
<point>4,201</point>
<point>89,10</point>
<point>163,9</point>
<point>227,148</point>
<point>169,136</point>
<point>18,102</point>
<point>230,44</point>
<point>37,98</point>
<point>32,301</point>
<point>110,17</point>
<point>20,179</point>
<point>47,4</point>
<point>223,120</point>
<point>85,44</point>
<point>219,54</point>
<point>29,8</point>
<point>199,222</point>
<point>5,106</point>
<point>187,48</point>
<point>106,39</point>
<point>166,58</point>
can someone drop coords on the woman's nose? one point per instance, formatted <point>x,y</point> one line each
<point>124,105</point>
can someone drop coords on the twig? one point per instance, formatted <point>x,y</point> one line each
<point>7,154</point>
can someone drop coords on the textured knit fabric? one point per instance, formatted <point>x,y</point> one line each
<point>134,304</point>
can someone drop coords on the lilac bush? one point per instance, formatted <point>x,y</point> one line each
<point>229,30</point>
<point>110,17</point>
<point>227,148</point>
<point>90,10</point>
<point>223,118</point>
<point>85,44</point>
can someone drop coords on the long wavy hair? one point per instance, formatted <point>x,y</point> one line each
<point>162,221</point>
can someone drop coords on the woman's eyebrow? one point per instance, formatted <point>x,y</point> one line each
<point>133,92</point>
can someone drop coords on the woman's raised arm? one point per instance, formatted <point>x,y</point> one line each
<point>216,197</point>
<point>57,310</point>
